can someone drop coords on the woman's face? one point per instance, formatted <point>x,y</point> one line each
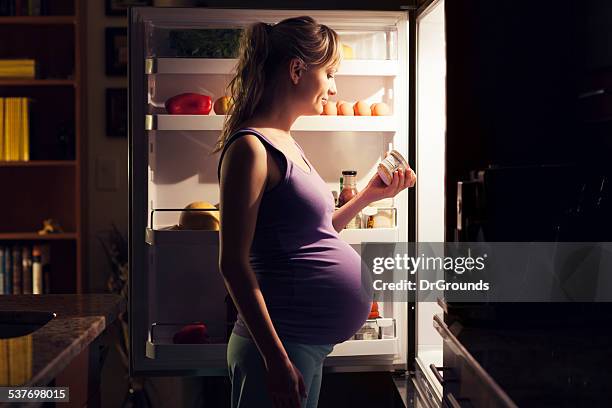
<point>315,87</point>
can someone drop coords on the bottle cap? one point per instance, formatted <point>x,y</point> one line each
<point>349,172</point>
<point>369,211</point>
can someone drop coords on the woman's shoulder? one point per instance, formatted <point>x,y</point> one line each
<point>246,145</point>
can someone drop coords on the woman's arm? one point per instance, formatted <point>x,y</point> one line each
<point>348,211</point>
<point>242,187</point>
<point>375,190</point>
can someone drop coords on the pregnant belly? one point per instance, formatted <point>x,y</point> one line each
<point>331,294</point>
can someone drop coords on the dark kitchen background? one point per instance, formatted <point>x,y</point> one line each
<point>529,114</point>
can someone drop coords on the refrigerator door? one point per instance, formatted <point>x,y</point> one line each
<point>430,154</point>
<point>180,314</point>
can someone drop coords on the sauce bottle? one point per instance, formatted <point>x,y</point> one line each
<point>349,188</point>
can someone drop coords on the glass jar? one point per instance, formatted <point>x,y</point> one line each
<point>394,161</point>
<point>369,331</point>
<point>349,187</point>
<point>349,190</point>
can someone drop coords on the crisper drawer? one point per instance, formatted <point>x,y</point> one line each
<point>465,383</point>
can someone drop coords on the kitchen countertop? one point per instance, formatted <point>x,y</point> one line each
<point>80,319</point>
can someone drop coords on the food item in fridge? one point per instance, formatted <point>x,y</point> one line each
<point>330,108</point>
<point>205,43</point>
<point>361,108</point>
<point>380,109</point>
<point>345,109</point>
<point>385,213</point>
<point>368,217</point>
<point>374,314</point>
<point>369,331</point>
<point>189,104</point>
<point>394,161</point>
<point>195,333</point>
<point>347,52</point>
<point>200,220</point>
<point>222,105</point>
<point>349,190</point>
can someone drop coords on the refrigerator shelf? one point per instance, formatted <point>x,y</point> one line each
<point>160,346</point>
<point>357,236</point>
<point>366,348</point>
<point>315,123</point>
<point>203,353</point>
<point>220,66</point>
<point>199,237</point>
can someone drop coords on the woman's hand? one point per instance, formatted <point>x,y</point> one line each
<point>377,189</point>
<point>285,384</point>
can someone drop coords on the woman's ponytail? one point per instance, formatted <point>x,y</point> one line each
<point>247,87</point>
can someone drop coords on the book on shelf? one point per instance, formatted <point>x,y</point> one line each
<point>23,7</point>
<point>17,269</point>
<point>25,269</point>
<point>15,129</point>
<point>17,68</point>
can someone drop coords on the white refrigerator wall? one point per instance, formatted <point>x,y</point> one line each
<point>431,135</point>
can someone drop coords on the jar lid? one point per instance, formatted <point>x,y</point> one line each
<point>369,211</point>
<point>349,172</point>
<point>399,157</point>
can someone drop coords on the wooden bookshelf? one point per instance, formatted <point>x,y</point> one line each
<point>41,20</point>
<point>34,236</point>
<point>37,82</point>
<point>50,184</point>
<point>38,163</point>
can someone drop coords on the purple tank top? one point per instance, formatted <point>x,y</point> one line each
<point>311,279</point>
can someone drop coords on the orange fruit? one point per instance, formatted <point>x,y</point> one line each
<point>380,109</point>
<point>362,109</point>
<point>330,108</point>
<point>222,105</point>
<point>346,109</point>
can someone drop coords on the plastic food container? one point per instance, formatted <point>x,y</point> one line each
<point>369,331</point>
<point>392,162</point>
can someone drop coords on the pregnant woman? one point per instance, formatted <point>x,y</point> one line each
<point>297,286</point>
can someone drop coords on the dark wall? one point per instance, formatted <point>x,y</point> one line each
<point>311,5</point>
<point>513,79</point>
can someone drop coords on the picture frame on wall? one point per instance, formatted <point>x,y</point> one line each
<point>120,7</point>
<point>116,112</point>
<point>116,51</point>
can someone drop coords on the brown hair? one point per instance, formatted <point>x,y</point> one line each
<point>263,48</point>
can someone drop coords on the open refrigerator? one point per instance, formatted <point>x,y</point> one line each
<point>174,277</point>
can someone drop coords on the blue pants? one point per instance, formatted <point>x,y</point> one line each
<point>247,371</point>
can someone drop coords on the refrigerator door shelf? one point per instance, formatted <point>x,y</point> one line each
<point>199,237</point>
<point>220,66</point>
<point>470,380</point>
<point>315,123</point>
